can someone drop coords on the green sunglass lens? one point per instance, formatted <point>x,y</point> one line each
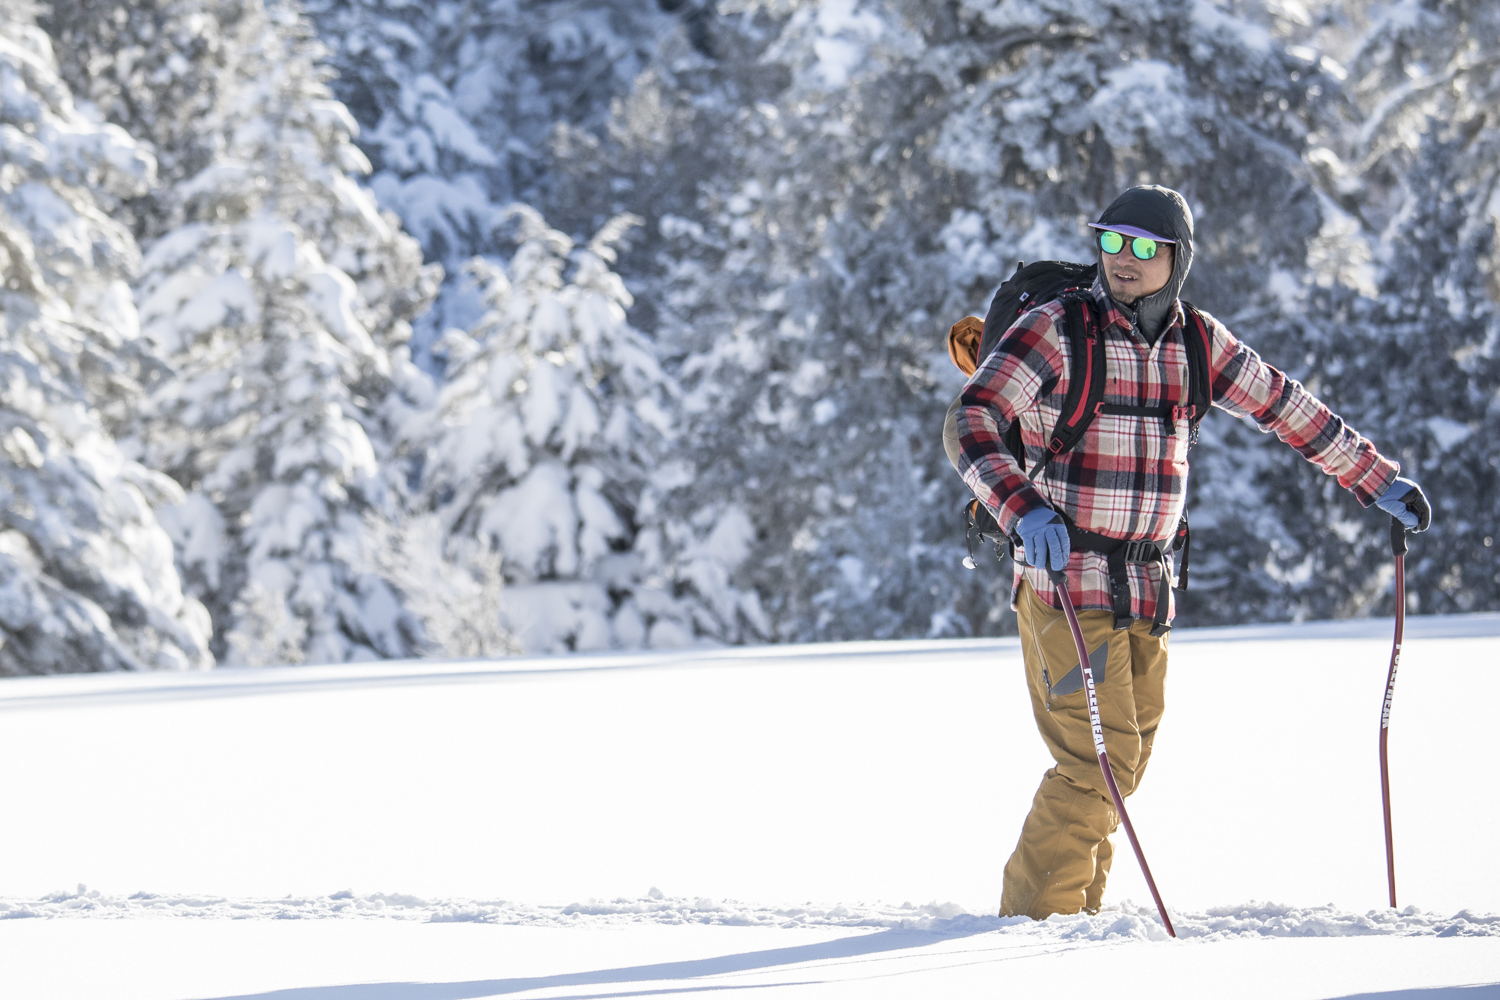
<point>1111,242</point>
<point>1143,248</point>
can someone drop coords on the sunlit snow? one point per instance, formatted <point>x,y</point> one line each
<point>834,815</point>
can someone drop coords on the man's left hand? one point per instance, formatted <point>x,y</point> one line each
<point>1405,501</point>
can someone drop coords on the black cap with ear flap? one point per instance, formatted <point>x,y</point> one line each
<point>1155,209</point>
<point>1165,212</point>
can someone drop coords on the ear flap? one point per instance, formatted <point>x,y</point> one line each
<point>963,343</point>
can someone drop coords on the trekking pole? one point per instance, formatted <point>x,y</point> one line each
<point>1398,549</point>
<point>1060,584</point>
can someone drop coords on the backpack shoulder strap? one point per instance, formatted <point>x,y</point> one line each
<point>1086,379</point>
<point>1200,372</point>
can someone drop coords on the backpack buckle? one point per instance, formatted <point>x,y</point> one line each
<point>1184,412</point>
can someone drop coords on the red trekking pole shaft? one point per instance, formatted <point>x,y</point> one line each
<point>1060,584</point>
<point>1398,549</point>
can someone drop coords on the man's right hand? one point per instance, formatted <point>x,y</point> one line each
<point>1045,538</point>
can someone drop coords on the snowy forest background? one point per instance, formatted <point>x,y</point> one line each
<point>354,329</point>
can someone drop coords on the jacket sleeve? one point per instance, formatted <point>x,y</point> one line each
<point>1246,386</point>
<point>1026,365</point>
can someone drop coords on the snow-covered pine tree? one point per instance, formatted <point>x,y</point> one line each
<point>280,303</point>
<point>794,287</point>
<point>466,107</point>
<point>549,431</point>
<point>177,73</point>
<point>1412,353</point>
<point>430,167</point>
<point>158,69</point>
<point>86,574</point>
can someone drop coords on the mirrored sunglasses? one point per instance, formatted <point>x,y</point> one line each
<point>1112,243</point>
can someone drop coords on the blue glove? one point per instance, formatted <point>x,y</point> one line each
<point>1404,501</point>
<point>1045,537</point>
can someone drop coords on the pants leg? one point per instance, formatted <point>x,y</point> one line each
<point>1062,860</point>
<point>1093,893</point>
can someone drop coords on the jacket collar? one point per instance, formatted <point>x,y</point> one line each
<point>1114,316</point>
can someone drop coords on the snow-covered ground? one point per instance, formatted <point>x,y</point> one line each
<point>819,821</point>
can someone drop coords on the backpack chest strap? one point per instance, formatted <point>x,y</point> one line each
<point>1168,412</point>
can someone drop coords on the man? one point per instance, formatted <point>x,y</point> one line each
<point>1125,479</point>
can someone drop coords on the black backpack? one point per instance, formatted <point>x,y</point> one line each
<point>1035,285</point>
<point>1030,286</point>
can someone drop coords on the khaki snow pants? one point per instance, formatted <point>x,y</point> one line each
<point>1063,857</point>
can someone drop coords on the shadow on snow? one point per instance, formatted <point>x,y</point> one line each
<point>1483,991</point>
<point>850,947</point>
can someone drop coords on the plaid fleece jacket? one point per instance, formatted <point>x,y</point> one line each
<point>1127,477</point>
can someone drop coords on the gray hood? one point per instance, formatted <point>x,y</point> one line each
<point>1164,212</point>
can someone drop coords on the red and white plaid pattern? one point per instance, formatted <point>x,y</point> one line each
<point>1127,477</point>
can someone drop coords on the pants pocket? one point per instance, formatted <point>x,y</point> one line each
<point>1073,679</point>
<point>1071,683</point>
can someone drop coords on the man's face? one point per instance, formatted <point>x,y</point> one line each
<point>1131,278</point>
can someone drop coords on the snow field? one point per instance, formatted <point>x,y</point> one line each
<point>817,796</point>
<point>397,960</point>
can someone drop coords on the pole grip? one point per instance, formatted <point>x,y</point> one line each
<point>1058,577</point>
<point>1398,537</point>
